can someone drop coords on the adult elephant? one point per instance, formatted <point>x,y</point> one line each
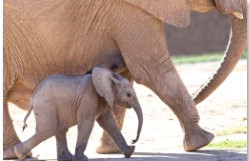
<point>43,37</point>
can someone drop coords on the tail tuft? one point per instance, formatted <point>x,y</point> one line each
<point>24,126</point>
<point>134,141</point>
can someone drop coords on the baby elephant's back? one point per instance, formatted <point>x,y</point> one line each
<point>60,89</point>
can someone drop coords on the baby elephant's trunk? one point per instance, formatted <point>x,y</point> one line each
<point>136,106</point>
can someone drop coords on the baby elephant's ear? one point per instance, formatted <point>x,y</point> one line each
<point>116,78</point>
<point>103,84</point>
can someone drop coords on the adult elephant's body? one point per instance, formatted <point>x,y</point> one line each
<point>44,37</point>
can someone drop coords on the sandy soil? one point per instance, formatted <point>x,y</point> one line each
<point>161,136</point>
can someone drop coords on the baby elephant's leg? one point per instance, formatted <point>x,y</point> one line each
<point>108,123</point>
<point>85,127</point>
<point>22,150</point>
<point>62,147</point>
<point>46,127</point>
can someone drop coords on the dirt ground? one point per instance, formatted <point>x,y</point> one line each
<point>161,135</point>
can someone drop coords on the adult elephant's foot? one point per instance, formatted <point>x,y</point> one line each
<point>8,149</point>
<point>107,146</point>
<point>9,153</point>
<point>196,138</point>
<point>10,138</point>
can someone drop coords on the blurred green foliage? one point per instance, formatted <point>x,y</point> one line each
<point>228,144</point>
<point>233,130</point>
<point>201,58</point>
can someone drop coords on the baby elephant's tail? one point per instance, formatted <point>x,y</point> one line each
<point>28,113</point>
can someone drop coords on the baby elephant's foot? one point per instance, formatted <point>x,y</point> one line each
<point>129,152</point>
<point>20,152</point>
<point>64,155</point>
<point>80,157</point>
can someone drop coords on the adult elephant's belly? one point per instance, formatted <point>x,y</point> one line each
<point>20,96</point>
<point>48,46</point>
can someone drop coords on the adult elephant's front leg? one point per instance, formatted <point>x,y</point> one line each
<point>107,145</point>
<point>144,49</point>
<point>9,135</point>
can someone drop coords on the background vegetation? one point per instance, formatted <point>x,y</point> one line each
<point>201,58</point>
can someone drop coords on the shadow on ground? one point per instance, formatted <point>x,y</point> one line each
<point>204,155</point>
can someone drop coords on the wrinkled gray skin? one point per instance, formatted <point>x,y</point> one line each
<point>62,101</point>
<point>45,37</point>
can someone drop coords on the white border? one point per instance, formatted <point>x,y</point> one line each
<point>1,78</point>
<point>248,69</point>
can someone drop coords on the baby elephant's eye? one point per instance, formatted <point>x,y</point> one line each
<point>128,94</point>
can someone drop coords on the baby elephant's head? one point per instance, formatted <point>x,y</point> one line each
<point>117,91</point>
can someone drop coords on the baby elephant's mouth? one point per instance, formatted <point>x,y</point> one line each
<point>124,105</point>
<point>127,106</point>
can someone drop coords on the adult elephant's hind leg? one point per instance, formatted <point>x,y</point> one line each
<point>174,94</point>
<point>107,145</point>
<point>9,135</point>
<point>148,60</point>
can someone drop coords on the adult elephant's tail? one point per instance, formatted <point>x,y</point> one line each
<point>237,45</point>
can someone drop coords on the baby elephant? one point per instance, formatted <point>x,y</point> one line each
<point>62,101</point>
